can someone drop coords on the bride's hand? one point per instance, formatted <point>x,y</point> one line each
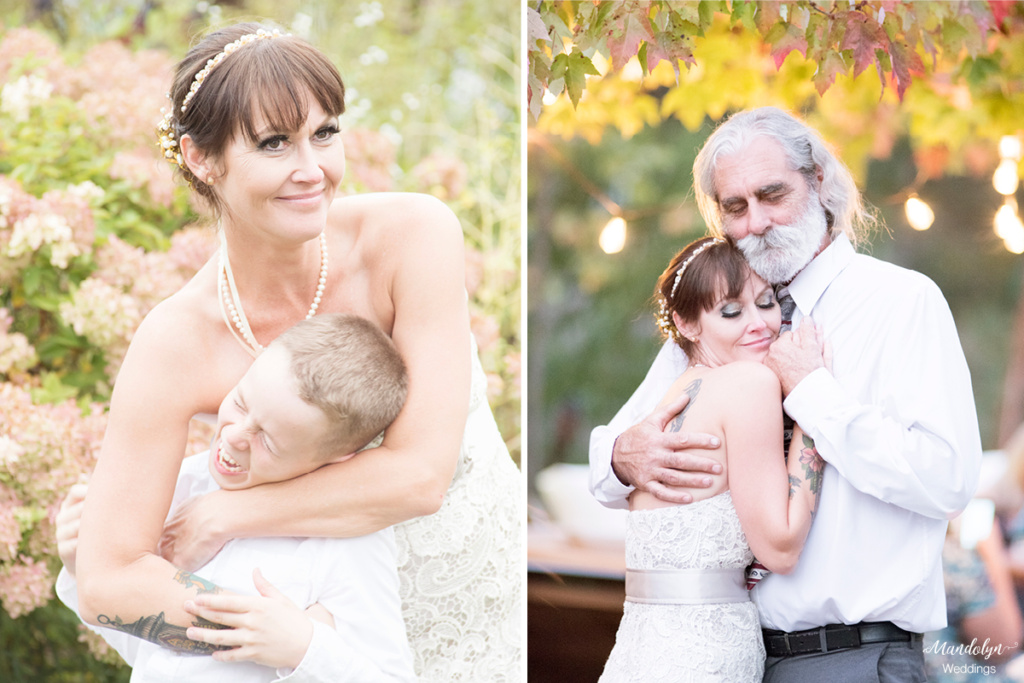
<point>191,536</point>
<point>798,353</point>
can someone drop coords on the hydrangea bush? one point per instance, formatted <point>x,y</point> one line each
<point>94,232</point>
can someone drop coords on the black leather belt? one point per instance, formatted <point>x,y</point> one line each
<point>834,637</point>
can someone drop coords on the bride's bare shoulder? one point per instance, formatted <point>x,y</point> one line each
<point>387,211</point>
<point>747,373</point>
<point>749,388</point>
<point>181,324</point>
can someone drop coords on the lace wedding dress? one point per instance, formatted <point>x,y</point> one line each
<point>461,568</point>
<point>687,616</point>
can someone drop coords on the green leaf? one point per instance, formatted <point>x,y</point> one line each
<point>706,10</point>
<point>828,69</point>
<point>577,67</point>
<point>641,56</point>
<point>981,70</point>
<point>52,390</point>
<point>686,11</point>
<point>32,279</point>
<point>953,36</point>
<point>743,14</point>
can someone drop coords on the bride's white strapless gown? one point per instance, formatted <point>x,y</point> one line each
<point>461,568</point>
<point>687,615</point>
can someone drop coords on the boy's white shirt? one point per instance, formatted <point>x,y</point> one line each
<point>355,579</point>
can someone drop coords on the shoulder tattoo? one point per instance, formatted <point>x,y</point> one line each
<point>692,389</point>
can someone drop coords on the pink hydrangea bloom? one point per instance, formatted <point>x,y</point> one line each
<point>25,585</point>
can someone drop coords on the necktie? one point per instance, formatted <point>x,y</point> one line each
<point>787,305</point>
<point>757,571</point>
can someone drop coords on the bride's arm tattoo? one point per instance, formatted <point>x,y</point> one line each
<point>814,470</point>
<point>691,390</point>
<point>156,628</point>
<point>190,580</point>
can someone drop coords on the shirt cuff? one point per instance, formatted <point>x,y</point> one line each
<point>604,485</point>
<point>66,588</point>
<point>817,395</point>
<point>321,662</point>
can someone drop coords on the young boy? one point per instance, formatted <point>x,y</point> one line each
<point>318,394</point>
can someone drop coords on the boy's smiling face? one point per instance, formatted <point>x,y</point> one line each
<point>265,431</point>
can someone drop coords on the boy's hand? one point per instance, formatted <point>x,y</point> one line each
<point>69,517</point>
<point>269,629</point>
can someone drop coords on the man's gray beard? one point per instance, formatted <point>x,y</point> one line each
<point>783,251</point>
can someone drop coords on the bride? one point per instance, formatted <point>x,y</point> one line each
<point>688,615</point>
<point>254,129</point>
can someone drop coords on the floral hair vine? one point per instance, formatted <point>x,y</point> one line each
<point>665,322</point>
<point>696,252</point>
<point>168,141</point>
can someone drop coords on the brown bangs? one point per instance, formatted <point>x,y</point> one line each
<point>270,80</point>
<point>722,275</point>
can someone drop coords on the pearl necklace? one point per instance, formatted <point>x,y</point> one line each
<point>231,304</point>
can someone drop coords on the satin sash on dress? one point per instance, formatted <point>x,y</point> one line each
<point>686,586</point>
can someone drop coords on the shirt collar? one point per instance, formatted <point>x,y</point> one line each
<point>811,282</point>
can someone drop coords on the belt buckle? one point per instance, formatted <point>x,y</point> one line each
<point>843,638</point>
<point>789,647</point>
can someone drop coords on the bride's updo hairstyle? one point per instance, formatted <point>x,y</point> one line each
<point>702,274</point>
<point>256,72</point>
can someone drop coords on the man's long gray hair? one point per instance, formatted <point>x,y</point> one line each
<point>806,153</point>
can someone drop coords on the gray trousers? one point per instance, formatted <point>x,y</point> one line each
<point>875,663</point>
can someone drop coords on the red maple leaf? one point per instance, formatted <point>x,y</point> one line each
<point>767,15</point>
<point>905,63</point>
<point>625,42</point>
<point>1000,10</point>
<point>863,36</point>
<point>784,38</point>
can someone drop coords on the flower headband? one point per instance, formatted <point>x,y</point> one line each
<point>696,252</point>
<point>665,322</point>
<point>168,142</point>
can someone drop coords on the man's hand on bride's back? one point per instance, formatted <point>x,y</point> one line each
<point>661,462</point>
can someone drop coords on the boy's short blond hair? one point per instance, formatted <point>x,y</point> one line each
<point>346,366</point>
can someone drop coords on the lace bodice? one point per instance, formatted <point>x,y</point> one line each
<point>703,535</point>
<point>687,643</point>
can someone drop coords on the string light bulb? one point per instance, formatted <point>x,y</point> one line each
<point>919,214</point>
<point>1009,147</point>
<point>1015,245</point>
<point>1005,179</point>
<point>1007,223</point>
<point>613,235</point>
